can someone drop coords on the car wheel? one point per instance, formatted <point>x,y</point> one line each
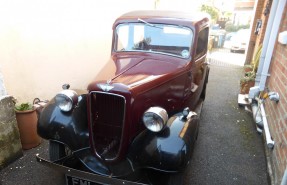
<point>161,178</point>
<point>57,151</point>
<point>180,178</point>
<point>203,93</point>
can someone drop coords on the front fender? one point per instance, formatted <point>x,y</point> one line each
<point>70,128</point>
<point>168,150</point>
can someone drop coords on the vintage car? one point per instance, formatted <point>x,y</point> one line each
<point>139,119</point>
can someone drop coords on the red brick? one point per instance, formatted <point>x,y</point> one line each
<point>278,55</point>
<point>284,130</point>
<point>276,112</point>
<point>285,137</point>
<point>278,153</point>
<point>284,54</point>
<point>280,112</point>
<point>284,125</point>
<point>283,148</point>
<point>280,79</point>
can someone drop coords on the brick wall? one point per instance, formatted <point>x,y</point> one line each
<point>264,24</point>
<point>10,145</point>
<point>277,112</point>
<point>256,40</point>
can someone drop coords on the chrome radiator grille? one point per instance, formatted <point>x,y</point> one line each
<point>107,117</point>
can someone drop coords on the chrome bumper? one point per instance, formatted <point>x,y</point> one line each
<point>85,175</point>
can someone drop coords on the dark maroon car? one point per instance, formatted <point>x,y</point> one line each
<point>139,119</point>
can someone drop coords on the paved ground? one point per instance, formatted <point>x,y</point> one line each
<point>228,150</point>
<point>26,171</point>
<point>223,56</point>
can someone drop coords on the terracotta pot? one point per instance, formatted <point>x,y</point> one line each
<point>245,86</point>
<point>27,124</point>
<point>247,69</point>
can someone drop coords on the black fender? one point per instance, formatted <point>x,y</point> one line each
<point>69,128</point>
<point>169,150</point>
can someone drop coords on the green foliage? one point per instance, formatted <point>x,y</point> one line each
<point>248,76</point>
<point>255,61</point>
<point>248,66</point>
<point>229,27</point>
<point>24,107</point>
<point>228,15</point>
<point>212,11</point>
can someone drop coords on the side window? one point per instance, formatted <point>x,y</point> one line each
<point>202,41</point>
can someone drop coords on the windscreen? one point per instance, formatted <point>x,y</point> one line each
<point>159,38</point>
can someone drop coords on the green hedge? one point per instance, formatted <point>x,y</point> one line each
<point>233,28</point>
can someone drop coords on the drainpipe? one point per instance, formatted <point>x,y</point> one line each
<point>266,42</point>
<point>271,33</point>
<point>271,43</point>
<point>257,116</point>
<point>260,119</point>
<point>270,143</point>
<point>284,179</point>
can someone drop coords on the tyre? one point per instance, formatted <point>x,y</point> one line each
<point>203,93</point>
<point>181,178</point>
<point>56,151</point>
<point>162,178</point>
<point>177,178</point>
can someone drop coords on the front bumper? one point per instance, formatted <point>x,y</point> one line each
<point>85,175</point>
<point>237,48</point>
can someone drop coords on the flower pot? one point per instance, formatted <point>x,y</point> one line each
<point>245,86</point>
<point>27,124</point>
<point>247,68</point>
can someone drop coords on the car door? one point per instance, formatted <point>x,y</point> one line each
<point>196,75</point>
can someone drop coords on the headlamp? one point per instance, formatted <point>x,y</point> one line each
<point>66,100</point>
<point>155,118</point>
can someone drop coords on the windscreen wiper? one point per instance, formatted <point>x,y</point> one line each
<point>149,24</point>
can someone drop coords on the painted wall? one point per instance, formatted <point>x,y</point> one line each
<point>2,87</point>
<point>180,5</point>
<point>44,44</point>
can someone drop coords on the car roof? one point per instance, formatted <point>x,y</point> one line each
<point>189,19</point>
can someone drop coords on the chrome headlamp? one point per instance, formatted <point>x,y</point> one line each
<point>155,118</point>
<point>66,100</point>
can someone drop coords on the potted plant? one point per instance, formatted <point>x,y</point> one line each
<point>247,81</point>
<point>248,68</point>
<point>27,123</point>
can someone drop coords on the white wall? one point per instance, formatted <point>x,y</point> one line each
<point>44,44</point>
<point>243,17</point>
<point>2,87</point>
<point>179,5</point>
